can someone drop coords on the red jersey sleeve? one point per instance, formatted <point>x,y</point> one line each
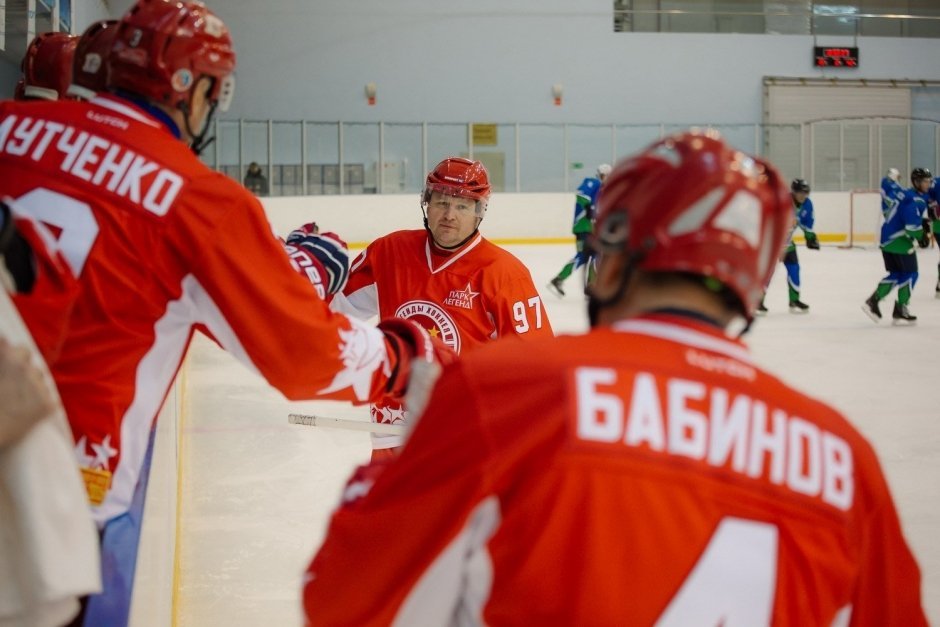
<point>888,590</point>
<point>442,513</point>
<point>360,296</point>
<point>516,305</point>
<point>258,308</point>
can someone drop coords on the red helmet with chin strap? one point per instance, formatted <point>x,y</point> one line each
<point>692,204</point>
<point>89,72</point>
<point>47,66</point>
<point>456,176</point>
<point>162,49</point>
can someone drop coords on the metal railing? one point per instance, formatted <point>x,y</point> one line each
<point>787,17</point>
<point>315,158</point>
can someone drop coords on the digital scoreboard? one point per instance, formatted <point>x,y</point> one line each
<point>835,57</point>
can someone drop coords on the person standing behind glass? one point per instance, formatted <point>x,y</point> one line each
<point>255,180</point>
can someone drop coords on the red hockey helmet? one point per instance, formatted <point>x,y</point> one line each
<point>47,66</point>
<point>690,203</point>
<point>89,74</point>
<point>456,176</point>
<point>162,49</point>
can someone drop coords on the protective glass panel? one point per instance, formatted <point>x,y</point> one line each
<point>588,147</point>
<point>542,157</point>
<point>632,139</point>
<point>401,170</point>
<point>446,140</point>
<point>287,171</point>
<point>228,150</point>
<point>322,147</point>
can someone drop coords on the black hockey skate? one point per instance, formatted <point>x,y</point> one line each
<point>798,307</point>
<point>901,315</point>
<point>555,286</point>
<point>761,308</point>
<point>871,308</point>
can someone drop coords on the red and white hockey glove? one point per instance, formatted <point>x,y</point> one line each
<point>420,360</point>
<point>323,258</point>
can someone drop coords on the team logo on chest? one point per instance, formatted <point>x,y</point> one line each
<point>461,298</point>
<point>435,320</point>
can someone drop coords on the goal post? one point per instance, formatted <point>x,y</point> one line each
<point>865,219</point>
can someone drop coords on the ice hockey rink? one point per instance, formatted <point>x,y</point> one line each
<point>257,492</point>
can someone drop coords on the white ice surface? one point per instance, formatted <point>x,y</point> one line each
<point>258,491</point>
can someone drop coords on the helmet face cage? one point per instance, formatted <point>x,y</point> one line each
<point>894,174</point>
<point>162,49</point>
<point>691,204</point>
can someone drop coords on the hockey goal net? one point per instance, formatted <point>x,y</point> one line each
<point>865,219</point>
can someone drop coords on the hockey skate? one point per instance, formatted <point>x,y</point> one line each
<point>798,307</point>
<point>761,308</point>
<point>902,316</point>
<point>555,287</point>
<point>871,309</point>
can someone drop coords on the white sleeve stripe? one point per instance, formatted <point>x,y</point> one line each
<point>456,586</point>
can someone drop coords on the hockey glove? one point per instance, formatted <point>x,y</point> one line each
<point>322,258</point>
<point>932,212</point>
<point>419,363</point>
<point>812,242</point>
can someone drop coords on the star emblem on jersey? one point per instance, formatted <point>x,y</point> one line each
<point>81,452</point>
<point>462,298</point>
<point>103,453</point>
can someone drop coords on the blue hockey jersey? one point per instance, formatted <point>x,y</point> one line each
<point>585,201</point>
<point>904,223</point>
<point>805,219</point>
<point>891,195</point>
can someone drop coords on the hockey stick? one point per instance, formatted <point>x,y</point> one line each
<point>345,423</point>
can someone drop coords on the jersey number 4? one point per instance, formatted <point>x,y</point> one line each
<point>73,221</point>
<point>733,582</point>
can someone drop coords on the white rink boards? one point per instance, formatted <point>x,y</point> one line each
<point>257,491</point>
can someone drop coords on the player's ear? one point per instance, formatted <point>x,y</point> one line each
<point>609,273</point>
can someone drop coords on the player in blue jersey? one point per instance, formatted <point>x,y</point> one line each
<point>933,215</point>
<point>891,191</point>
<point>903,226</point>
<point>582,226</point>
<point>805,217</point>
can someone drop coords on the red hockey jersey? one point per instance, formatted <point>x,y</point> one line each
<point>46,309</point>
<point>466,298</point>
<point>162,244</point>
<point>643,474</point>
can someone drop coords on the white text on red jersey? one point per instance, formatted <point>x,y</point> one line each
<point>93,159</point>
<point>688,418</point>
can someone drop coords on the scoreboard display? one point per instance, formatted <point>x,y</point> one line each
<point>835,57</point>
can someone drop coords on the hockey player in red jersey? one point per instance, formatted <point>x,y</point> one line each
<point>646,473</point>
<point>161,245</point>
<point>47,67</point>
<point>89,75</point>
<point>447,277</point>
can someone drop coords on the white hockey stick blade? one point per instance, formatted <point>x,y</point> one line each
<point>345,423</point>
